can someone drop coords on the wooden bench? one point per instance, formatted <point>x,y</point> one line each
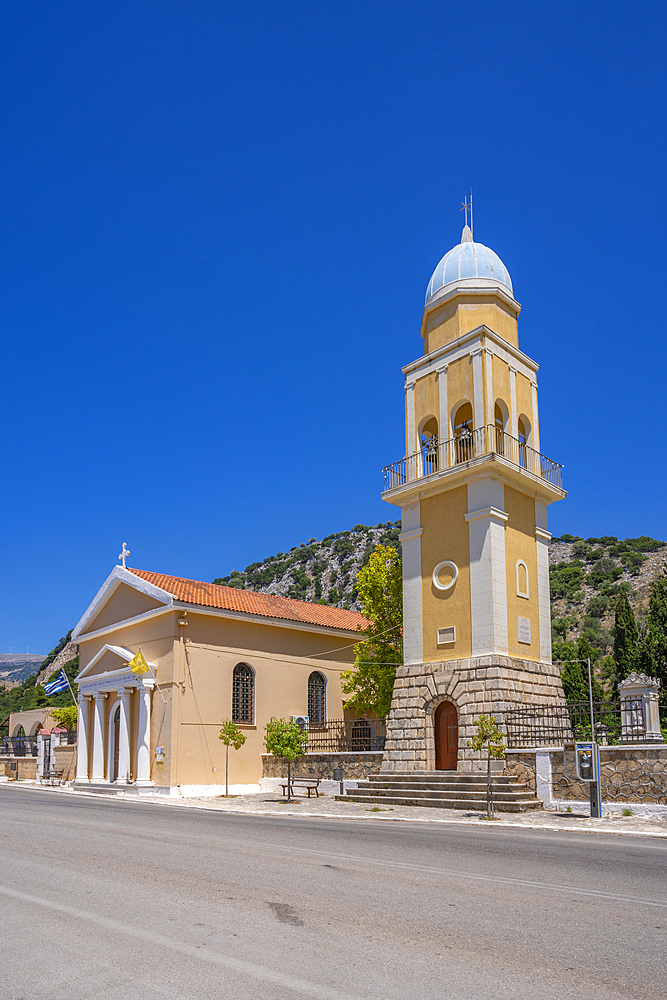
<point>310,782</point>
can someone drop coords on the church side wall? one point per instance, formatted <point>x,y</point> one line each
<point>281,690</point>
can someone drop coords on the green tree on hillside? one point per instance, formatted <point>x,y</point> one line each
<point>574,674</point>
<point>652,653</point>
<point>626,638</point>
<point>370,682</point>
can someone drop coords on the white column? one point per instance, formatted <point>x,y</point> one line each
<point>412,584</point>
<point>443,417</point>
<point>490,402</point>
<point>514,416</point>
<point>535,436</point>
<point>98,737</point>
<point>123,776</point>
<point>477,388</point>
<point>486,519</point>
<point>144,742</point>
<point>542,539</point>
<point>410,471</point>
<point>82,741</point>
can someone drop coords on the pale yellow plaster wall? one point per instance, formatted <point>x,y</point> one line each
<point>446,537</point>
<point>281,689</point>
<point>520,544</point>
<point>125,602</point>
<point>463,314</point>
<point>426,405</point>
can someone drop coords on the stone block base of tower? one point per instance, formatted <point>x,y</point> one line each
<point>466,689</point>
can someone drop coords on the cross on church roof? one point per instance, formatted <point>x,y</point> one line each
<point>124,554</point>
<point>465,205</point>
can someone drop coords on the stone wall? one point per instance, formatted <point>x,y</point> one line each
<point>355,765</point>
<point>627,774</point>
<point>26,768</point>
<point>65,761</point>
<point>522,766</point>
<point>483,684</point>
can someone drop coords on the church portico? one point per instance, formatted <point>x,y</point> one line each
<point>114,721</point>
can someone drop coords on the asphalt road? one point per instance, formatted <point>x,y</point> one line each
<point>136,901</point>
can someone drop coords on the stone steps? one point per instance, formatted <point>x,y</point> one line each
<point>444,790</point>
<point>474,805</point>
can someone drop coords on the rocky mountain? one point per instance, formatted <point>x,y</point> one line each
<point>586,575</point>
<point>15,667</point>
<point>323,571</point>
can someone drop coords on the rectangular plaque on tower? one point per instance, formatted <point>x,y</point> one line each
<point>524,629</point>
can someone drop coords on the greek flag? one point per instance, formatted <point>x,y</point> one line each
<point>59,684</point>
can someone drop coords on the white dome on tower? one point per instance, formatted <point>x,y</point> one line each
<point>469,260</point>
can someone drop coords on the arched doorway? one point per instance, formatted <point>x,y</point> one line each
<point>446,737</point>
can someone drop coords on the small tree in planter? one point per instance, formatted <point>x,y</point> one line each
<point>488,737</point>
<point>231,735</point>
<point>285,739</point>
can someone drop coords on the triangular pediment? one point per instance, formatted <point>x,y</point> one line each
<point>109,660</point>
<point>122,597</point>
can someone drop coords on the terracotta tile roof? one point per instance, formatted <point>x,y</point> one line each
<point>211,595</point>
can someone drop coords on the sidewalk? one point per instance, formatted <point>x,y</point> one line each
<point>327,807</point>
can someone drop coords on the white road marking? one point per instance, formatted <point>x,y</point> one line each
<point>237,965</point>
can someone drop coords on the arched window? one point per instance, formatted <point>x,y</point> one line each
<point>317,699</point>
<point>463,436</point>
<point>243,694</point>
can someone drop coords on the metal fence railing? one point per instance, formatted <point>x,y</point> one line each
<point>26,746</point>
<point>18,746</point>
<point>614,723</point>
<point>344,736</point>
<point>438,456</point>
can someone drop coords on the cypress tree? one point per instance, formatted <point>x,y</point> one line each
<point>625,641</point>
<point>653,646</point>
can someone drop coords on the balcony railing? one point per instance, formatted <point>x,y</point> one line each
<point>438,456</point>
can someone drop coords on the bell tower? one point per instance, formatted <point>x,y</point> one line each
<point>473,490</point>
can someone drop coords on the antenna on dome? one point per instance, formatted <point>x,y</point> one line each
<point>466,206</point>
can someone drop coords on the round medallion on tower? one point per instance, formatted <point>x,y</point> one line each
<point>470,264</point>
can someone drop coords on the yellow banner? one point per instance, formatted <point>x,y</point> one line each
<point>138,663</point>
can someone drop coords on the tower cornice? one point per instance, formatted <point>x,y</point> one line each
<point>478,338</point>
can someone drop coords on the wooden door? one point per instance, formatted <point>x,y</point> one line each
<point>446,737</point>
<point>116,744</point>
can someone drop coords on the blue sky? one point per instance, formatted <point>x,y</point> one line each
<point>218,222</point>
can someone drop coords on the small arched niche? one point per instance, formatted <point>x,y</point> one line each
<point>522,586</point>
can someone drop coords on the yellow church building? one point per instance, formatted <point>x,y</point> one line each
<point>213,652</point>
<point>473,491</point>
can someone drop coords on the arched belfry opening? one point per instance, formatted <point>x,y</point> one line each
<point>463,435</point>
<point>429,443</point>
